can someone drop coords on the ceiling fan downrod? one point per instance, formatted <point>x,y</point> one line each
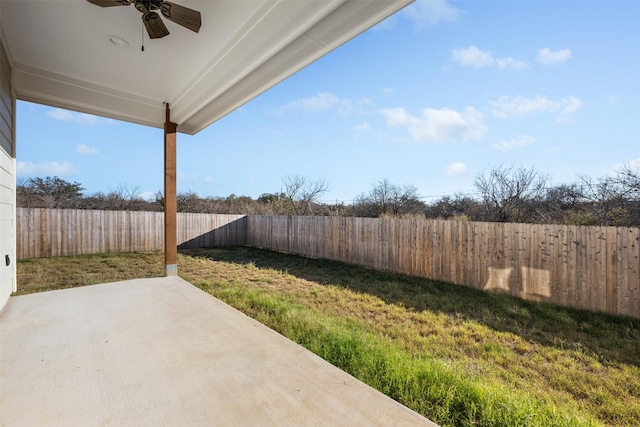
<point>183,16</point>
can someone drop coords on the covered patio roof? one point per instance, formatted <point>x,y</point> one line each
<point>84,56</point>
<point>63,54</point>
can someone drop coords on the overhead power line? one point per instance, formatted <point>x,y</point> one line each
<point>429,196</point>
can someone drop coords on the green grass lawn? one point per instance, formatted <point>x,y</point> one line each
<point>456,355</point>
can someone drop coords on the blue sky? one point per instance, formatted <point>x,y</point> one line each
<point>430,97</point>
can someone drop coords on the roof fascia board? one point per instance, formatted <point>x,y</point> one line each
<point>325,36</point>
<point>263,37</point>
<point>43,87</point>
<point>249,65</point>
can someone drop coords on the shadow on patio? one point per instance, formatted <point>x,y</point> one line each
<point>162,352</point>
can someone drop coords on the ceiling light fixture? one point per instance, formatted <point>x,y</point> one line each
<point>118,41</point>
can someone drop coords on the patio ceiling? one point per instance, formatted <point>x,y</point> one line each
<point>62,55</point>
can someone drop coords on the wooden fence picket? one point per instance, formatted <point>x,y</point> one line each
<point>594,268</point>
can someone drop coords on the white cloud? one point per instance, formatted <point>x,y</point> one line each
<point>361,128</point>
<point>147,195</point>
<point>472,56</point>
<point>438,124</point>
<point>86,150</point>
<point>509,107</point>
<point>424,12</point>
<point>388,90</point>
<point>45,168</point>
<point>347,107</point>
<point>70,116</point>
<point>324,102</point>
<point>510,144</point>
<point>318,103</point>
<point>550,57</point>
<point>511,63</point>
<point>456,169</point>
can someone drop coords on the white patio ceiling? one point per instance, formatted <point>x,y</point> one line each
<point>62,56</point>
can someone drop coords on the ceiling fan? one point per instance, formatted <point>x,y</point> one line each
<point>181,15</point>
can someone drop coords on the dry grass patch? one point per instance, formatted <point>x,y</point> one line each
<point>584,363</point>
<point>457,355</point>
<point>48,274</point>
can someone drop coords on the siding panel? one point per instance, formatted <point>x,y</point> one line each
<point>7,181</point>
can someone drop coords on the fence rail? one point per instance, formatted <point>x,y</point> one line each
<point>61,232</point>
<point>594,268</point>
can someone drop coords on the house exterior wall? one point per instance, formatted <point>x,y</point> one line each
<point>7,181</point>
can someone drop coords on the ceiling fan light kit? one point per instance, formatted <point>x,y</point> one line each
<point>156,29</point>
<point>118,41</point>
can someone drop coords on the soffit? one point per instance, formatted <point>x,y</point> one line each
<point>62,56</point>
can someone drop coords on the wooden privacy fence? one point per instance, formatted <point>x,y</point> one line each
<point>61,232</point>
<point>594,268</point>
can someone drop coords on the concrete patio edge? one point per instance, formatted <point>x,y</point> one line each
<point>163,352</point>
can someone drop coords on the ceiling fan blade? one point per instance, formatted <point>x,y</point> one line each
<point>181,15</point>
<point>109,3</point>
<point>154,25</point>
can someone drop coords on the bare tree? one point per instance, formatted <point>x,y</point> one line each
<point>273,204</point>
<point>303,193</point>
<point>560,203</point>
<point>611,200</point>
<point>49,192</point>
<point>628,179</point>
<point>389,199</point>
<point>124,198</point>
<point>510,194</point>
<point>26,194</point>
<point>459,207</point>
<point>189,202</point>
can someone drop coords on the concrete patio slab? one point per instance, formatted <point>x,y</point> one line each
<point>154,352</point>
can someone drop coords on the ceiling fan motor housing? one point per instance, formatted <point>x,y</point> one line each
<point>145,6</point>
<point>180,15</point>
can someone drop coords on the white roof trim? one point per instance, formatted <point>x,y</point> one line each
<point>274,40</point>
